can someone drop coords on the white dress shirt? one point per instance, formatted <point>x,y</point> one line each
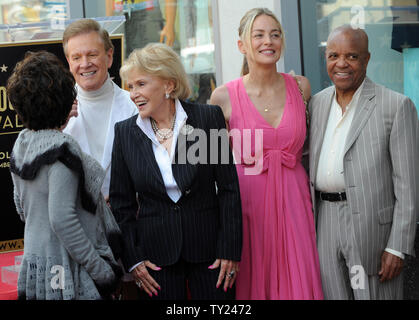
<point>163,159</point>
<point>330,177</point>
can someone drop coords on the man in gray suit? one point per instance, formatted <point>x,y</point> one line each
<point>363,175</point>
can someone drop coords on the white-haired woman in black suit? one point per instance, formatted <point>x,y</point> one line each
<point>188,231</point>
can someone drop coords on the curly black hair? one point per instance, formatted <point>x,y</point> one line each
<point>41,91</point>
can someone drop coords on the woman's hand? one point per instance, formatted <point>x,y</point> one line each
<point>144,280</point>
<point>228,272</point>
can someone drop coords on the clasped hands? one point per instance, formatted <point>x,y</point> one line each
<point>228,274</point>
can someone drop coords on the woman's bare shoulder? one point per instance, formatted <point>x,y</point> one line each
<point>220,97</point>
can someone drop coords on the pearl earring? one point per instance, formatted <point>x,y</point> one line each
<point>167,95</point>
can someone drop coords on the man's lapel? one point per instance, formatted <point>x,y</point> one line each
<point>366,105</point>
<point>113,117</point>
<point>323,108</point>
<point>76,127</point>
<point>120,110</point>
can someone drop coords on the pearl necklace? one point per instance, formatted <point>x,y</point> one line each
<point>163,134</point>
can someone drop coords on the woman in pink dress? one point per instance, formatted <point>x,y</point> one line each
<point>266,116</point>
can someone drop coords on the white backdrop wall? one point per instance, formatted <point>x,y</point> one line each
<point>227,15</point>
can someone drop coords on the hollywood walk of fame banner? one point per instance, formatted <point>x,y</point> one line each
<point>11,227</point>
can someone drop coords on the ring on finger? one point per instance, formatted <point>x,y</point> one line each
<point>231,274</point>
<point>139,283</point>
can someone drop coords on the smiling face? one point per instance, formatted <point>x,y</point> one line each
<point>347,59</point>
<point>88,60</point>
<point>148,92</point>
<point>266,41</point>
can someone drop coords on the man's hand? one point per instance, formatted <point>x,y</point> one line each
<point>73,113</point>
<point>391,266</point>
<point>108,202</point>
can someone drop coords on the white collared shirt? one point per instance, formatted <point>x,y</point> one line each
<point>163,159</point>
<point>330,176</point>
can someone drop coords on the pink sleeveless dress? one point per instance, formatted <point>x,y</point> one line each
<point>279,257</point>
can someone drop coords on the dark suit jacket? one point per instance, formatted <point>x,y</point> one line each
<point>206,222</point>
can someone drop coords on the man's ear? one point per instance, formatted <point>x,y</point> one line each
<point>109,54</point>
<point>368,57</point>
<point>68,62</point>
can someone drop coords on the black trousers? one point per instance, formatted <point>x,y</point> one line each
<point>185,280</point>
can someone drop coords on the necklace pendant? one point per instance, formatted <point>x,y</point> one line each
<point>266,109</point>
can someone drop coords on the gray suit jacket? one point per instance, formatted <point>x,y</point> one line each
<point>381,175</point>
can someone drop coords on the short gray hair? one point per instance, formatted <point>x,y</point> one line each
<point>159,60</point>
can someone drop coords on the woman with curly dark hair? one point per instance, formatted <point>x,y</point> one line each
<point>68,227</point>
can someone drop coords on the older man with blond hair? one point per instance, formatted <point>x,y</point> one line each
<point>100,102</point>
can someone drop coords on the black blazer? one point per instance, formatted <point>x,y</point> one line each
<point>206,222</point>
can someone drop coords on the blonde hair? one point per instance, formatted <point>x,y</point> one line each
<point>84,26</point>
<point>159,60</point>
<point>245,30</point>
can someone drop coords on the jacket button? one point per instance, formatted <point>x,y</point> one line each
<point>176,207</point>
<point>188,191</point>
